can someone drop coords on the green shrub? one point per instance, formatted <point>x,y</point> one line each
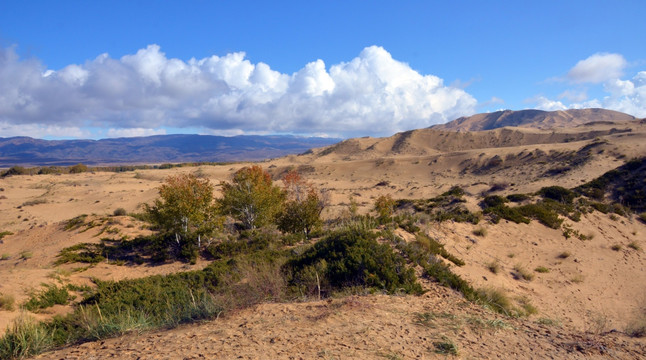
<point>120,212</point>
<point>446,347</point>
<point>493,201</point>
<point>436,248</point>
<point>517,197</point>
<point>5,233</point>
<point>351,258</point>
<point>558,193</point>
<point>541,269</point>
<point>50,296</point>
<point>75,222</point>
<point>543,213</point>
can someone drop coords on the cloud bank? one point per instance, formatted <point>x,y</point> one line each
<point>373,94</point>
<point>628,96</point>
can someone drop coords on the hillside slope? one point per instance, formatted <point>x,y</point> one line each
<point>535,119</point>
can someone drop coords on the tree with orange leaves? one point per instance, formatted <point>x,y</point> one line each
<point>302,212</point>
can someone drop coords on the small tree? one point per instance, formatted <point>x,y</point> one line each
<point>385,207</point>
<point>185,211</point>
<point>303,208</point>
<point>251,198</point>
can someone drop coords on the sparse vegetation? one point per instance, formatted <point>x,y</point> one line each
<point>564,255</point>
<point>480,232</point>
<point>493,266</point>
<point>616,247</point>
<point>120,212</point>
<point>7,302</point>
<point>521,273</point>
<point>446,347</point>
<point>541,269</point>
<point>51,295</point>
<point>634,245</point>
<point>5,233</point>
<point>25,255</point>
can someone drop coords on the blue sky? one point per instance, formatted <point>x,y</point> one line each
<point>94,69</point>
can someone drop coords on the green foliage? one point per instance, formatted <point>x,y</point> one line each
<point>385,207</point>
<point>558,193</point>
<point>48,297</point>
<point>82,253</point>
<point>541,269</point>
<point>24,338</point>
<point>78,168</point>
<point>446,347</point>
<point>75,222</point>
<point>16,170</point>
<point>351,258</point>
<point>5,233</point>
<point>625,184</point>
<point>120,212</point>
<point>184,213</point>
<point>493,201</point>
<point>517,197</point>
<point>436,248</point>
<point>252,198</point>
<point>302,211</point>
<point>447,206</point>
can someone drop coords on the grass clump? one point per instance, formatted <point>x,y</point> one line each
<point>7,302</point>
<point>25,255</point>
<point>482,232</point>
<point>542,269</point>
<point>616,247</point>
<point>25,338</point>
<point>5,256</point>
<point>493,266</point>
<point>564,255</point>
<point>520,272</point>
<point>634,245</point>
<point>446,347</point>
<point>5,233</point>
<point>51,295</point>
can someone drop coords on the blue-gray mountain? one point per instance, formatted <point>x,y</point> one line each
<point>26,151</point>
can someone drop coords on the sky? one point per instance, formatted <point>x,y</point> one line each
<point>97,69</point>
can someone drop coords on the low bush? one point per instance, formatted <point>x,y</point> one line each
<point>120,212</point>
<point>350,258</point>
<point>517,197</point>
<point>51,295</point>
<point>558,193</point>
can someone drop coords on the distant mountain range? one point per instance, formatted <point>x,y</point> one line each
<point>26,151</point>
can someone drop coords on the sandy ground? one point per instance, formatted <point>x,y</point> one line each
<point>370,327</point>
<point>594,290</point>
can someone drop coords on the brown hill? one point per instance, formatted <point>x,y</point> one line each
<point>534,119</point>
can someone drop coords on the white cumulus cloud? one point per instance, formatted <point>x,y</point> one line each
<point>372,94</point>
<point>598,68</point>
